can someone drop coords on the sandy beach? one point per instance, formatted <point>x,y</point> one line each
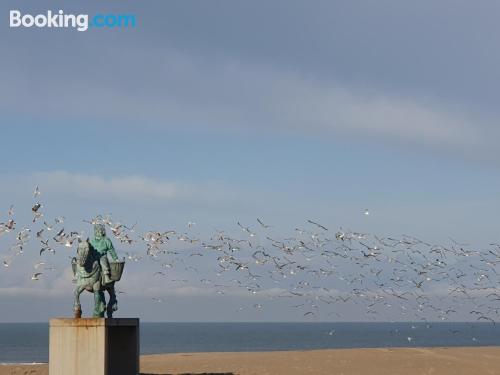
<point>397,361</point>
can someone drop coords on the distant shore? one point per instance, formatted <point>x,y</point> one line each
<point>408,361</point>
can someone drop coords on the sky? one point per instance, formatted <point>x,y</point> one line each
<point>225,111</point>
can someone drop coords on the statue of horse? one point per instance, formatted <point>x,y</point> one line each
<point>87,271</point>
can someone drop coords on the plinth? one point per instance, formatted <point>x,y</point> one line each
<point>96,346</point>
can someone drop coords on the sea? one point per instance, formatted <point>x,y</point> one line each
<point>28,342</point>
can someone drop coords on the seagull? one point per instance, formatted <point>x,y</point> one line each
<point>59,236</point>
<point>48,226</point>
<point>246,229</point>
<point>38,264</point>
<point>35,276</point>
<point>486,318</point>
<point>43,249</point>
<point>59,219</point>
<point>36,193</point>
<point>36,216</point>
<point>10,225</point>
<point>69,243</point>
<point>263,225</point>
<point>317,224</point>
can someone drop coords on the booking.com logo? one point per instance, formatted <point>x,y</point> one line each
<point>80,22</point>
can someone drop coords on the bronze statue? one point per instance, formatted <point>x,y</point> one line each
<point>94,273</point>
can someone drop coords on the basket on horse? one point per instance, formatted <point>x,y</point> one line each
<point>116,269</point>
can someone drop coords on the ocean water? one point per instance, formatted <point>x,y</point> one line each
<point>28,342</point>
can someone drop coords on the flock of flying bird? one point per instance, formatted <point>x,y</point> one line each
<point>318,271</point>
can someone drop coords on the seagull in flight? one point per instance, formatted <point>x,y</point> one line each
<point>317,224</point>
<point>262,224</point>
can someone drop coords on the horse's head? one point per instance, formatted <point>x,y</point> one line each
<point>83,252</point>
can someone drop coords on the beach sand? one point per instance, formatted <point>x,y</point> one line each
<point>397,361</point>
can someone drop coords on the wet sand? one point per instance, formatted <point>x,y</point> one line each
<point>398,361</point>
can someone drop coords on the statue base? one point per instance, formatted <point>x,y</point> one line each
<point>96,346</point>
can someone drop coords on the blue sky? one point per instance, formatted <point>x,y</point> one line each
<point>284,110</point>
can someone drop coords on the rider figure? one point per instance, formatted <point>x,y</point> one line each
<point>103,246</point>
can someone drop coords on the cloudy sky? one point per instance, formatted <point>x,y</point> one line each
<point>225,111</point>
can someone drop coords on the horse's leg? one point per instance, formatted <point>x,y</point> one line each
<point>99,303</point>
<point>112,303</point>
<point>77,307</point>
<point>95,314</point>
<point>99,299</point>
<point>102,298</point>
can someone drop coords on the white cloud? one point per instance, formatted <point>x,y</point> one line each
<point>131,189</point>
<point>123,188</point>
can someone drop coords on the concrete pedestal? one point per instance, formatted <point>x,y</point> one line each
<point>96,346</point>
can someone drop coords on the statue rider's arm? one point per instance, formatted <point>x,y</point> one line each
<point>112,251</point>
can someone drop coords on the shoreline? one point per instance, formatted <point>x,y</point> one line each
<point>372,361</point>
<point>22,363</point>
